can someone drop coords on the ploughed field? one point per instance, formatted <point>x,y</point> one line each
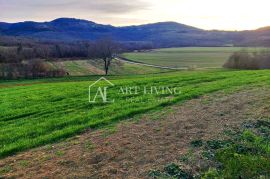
<point>39,112</point>
<point>194,57</point>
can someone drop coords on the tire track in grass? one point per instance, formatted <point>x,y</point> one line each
<point>182,83</point>
<point>64,127</point>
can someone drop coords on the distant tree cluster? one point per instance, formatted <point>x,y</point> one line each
<point>31,69</point>
<point>13,50</point>
<point>246,60</point>
<point>139,46</point>
<point>51,52</point>
<point>28,59</point>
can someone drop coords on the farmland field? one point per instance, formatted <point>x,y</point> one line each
<point>85,67</point>
<point>36,113</point>
<point>96,67</point>
<point>200,57</point>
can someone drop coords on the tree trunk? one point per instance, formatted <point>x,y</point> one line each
<point>107,63</point>
<point>106,71</point>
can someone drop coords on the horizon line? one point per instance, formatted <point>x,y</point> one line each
<point>100,23</point>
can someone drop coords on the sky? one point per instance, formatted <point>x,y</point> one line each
<point>205,14</point>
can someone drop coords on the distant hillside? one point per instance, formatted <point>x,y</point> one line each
<point>163,34</point>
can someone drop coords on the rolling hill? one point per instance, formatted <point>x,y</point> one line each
<point>162,34</point>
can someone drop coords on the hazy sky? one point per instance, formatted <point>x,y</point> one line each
<point>206,14</point>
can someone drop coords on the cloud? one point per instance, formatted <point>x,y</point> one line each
<point>108,11</point>
<point>87,6</point>
<point>114,6</point>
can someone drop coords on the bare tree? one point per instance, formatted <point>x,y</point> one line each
<point>105,49</point>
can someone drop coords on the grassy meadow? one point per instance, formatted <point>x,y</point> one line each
<point>96,67</point>
<point>39,112</point>
<point>199,57</point>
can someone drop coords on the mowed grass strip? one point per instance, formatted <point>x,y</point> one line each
<point>39,114</point>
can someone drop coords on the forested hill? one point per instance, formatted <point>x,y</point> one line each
<point>162,34</point>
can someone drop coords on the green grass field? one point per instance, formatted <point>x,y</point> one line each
<point>95,67</point>
<point>200,57</point>
<point>39,112</point>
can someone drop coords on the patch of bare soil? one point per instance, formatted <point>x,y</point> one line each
<point>139,146</point>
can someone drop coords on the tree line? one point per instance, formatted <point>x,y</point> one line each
<point>49,52</point>
<point>28,60</point>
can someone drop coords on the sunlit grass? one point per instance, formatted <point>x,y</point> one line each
<point>38,114</point>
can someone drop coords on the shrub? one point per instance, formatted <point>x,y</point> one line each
<point>246,60</point>
<point>31,69</point>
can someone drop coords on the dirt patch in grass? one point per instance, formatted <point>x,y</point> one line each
<point>134,148</point>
